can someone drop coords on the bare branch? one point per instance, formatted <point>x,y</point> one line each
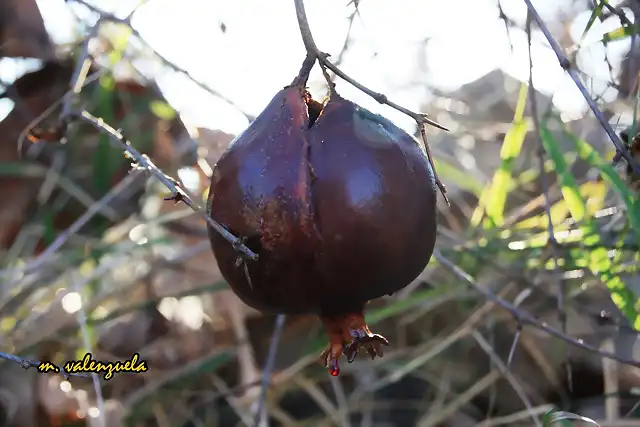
<point>621,147</point>
<point>30,363</point>
<point>524,317</point>
<point>268,368</point>
<point>495,359</point>
<point>553,243</point>
<point>514,345</point>
<point>77,225</point>
<point>179,195</point>
<point>421,119</point>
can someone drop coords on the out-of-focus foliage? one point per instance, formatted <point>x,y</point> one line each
<point>89,159</point>
<point>140,277</point>
<point>22,31</point>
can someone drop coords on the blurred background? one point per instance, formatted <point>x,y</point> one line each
<point>92,258</point>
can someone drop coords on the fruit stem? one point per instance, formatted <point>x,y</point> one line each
<point>305,70</point>
<point>312,49</point>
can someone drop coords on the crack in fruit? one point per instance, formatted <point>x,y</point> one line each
<point>339,220</point>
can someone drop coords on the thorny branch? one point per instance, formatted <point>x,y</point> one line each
<point>523,317</point>
<point>553,243</point>
<point>421,119</point>
<point>142,163</point>
<point>566,65</point>
<point>29,363</point>
<point>619,13</point>
<point>145,164</point>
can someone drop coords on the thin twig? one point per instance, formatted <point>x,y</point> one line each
<point>347,39</point>
<point>421,119</point>
<point>524,317</point>
<point>341,399</point>
<point>268,368</point>
<point>81,70</point>
<point>482,342</point>
<point>514,345</point>
<point>77,225</point>
<point>619,13</point>
<point>566,65</point>
<point>460,400</point>
<point>30,363</point>
<point>507,23</point>
<point>135,9</point>
<point>544,185</point>
<point>144,163</point>
<point>305,70</point>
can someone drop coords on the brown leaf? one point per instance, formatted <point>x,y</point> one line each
<point>22,31</point>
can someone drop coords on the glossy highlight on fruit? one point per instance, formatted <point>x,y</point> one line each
<point>338,203</point>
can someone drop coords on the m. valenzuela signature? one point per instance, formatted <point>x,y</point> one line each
<point>89,365</point>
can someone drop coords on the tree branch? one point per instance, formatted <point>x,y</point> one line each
<point>621,147</point>
<point>522,316</point>
<point>144,163</point>
<point>421,119</point>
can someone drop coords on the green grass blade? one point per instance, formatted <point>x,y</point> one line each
<point>620,33</point>
<point>596,13</point>
<point>561,418</point>
<point>587,153</point>
<point>511,147</point>
<point>568,186</point>
<point>598,258</point>
<point>462,179</point>
<point>107,160</point>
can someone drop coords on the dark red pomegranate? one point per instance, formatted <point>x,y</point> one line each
<point>338,203</point>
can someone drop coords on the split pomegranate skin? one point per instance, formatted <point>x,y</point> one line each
<point>338,203</point>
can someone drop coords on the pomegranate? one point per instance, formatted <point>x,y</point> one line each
<point>338,203</point>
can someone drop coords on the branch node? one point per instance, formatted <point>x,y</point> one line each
<point>314,53</point>
<point>176,198</point>
<point>565,63</point>
<point>381,98</point>
<point>143,162</point>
